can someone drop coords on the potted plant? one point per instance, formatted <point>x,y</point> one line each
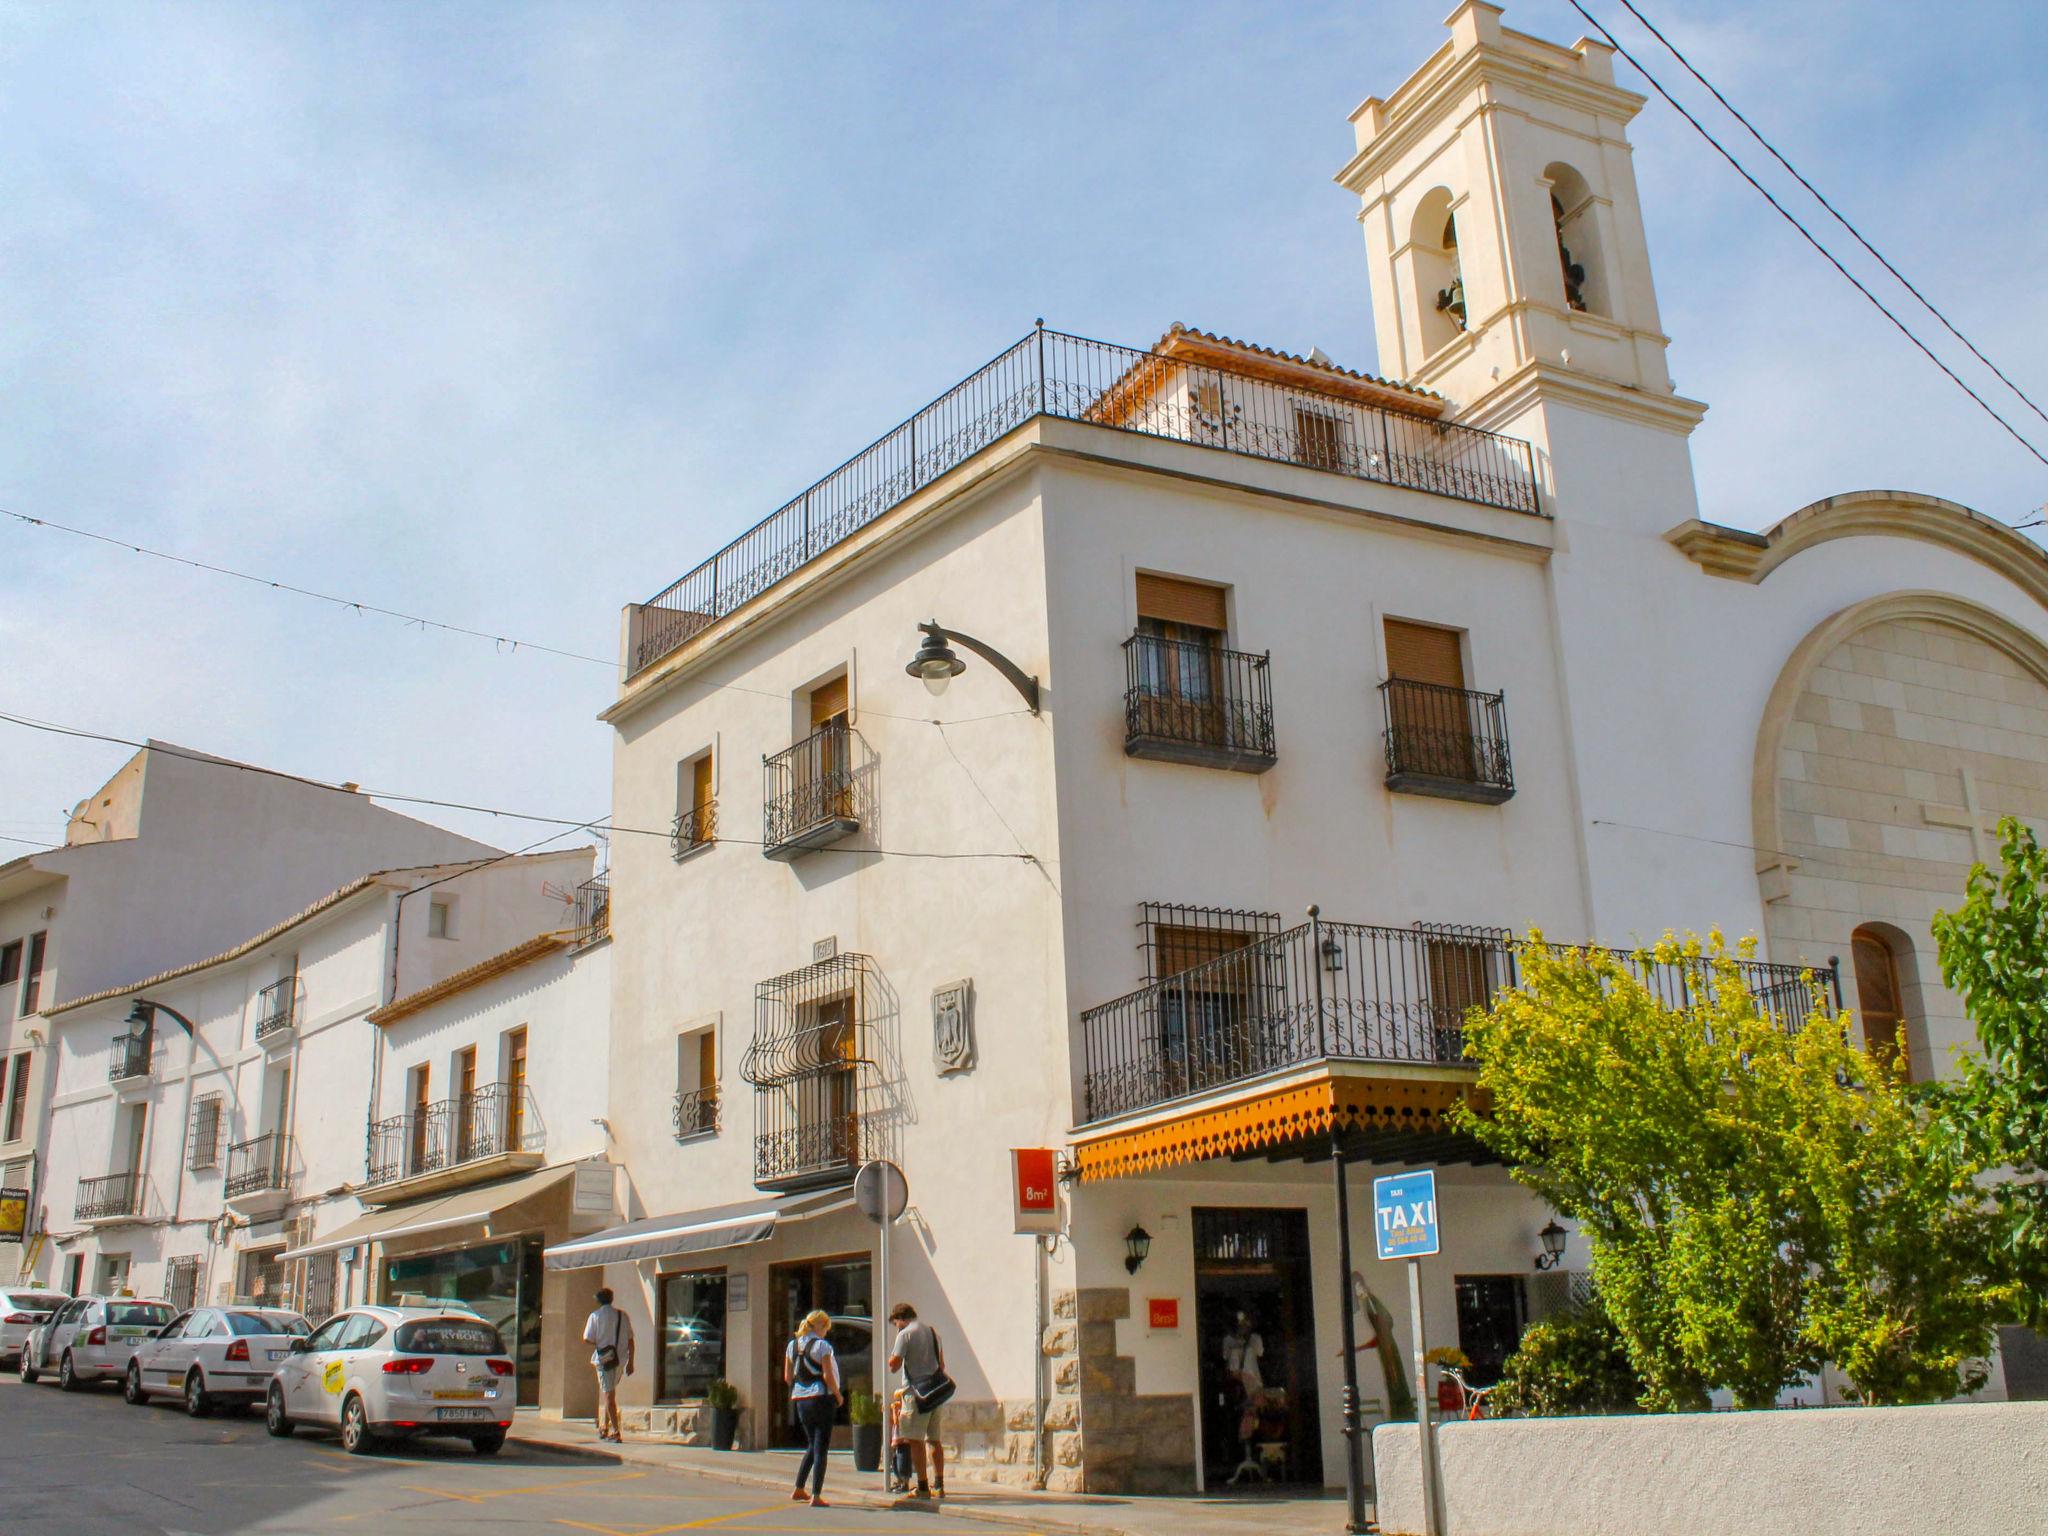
<point>865,1415</point>
<point>723,1399</point>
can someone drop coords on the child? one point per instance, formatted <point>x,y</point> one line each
<point>899,1448</point>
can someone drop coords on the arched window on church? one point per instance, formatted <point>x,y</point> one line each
<point>1881,1000</point>
<point>1439,279</point>
<point>1578,241</point>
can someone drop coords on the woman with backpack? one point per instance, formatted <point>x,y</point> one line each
<point>811,1370</point>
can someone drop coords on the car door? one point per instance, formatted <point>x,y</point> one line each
<point>156,1358</point>
<point>76,1319</point>
<point>313,1391</point>
<point>366,1332</point>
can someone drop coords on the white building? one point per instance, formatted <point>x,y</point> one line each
<point>1451,658</point>
<point>177,855</point>
<point>365,1054</point>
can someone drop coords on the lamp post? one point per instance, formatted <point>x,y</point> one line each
<point>1331,958</point>
<point>937,664</point>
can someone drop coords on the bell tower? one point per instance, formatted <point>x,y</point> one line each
<point>1508,263</point>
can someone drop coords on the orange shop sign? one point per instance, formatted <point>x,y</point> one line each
<point>1035,1188</point>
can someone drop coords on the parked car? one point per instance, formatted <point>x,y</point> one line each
<point>380,1372</point>
<point>213,1357</point>
<point>90,1338</point>
<point>35,1355</point>
<point>20,1312</point>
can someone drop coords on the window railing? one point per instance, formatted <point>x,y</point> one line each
<point>113,1194</point>
<point>812,1076</point>
<point>591,911</point>
<point>257,1164</point>
<point>493,1120</point>
<point>1054,374</point>
<point>695,1113</point>
<point>275,1006</point>
<point>1187,701</point>
<point>1387,995</point>
<point>695,828</point>
<point>815,792</point>
<point>129,1057</point>
<point>1451,741</point>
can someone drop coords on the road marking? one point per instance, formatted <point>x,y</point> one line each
<point>499,1493</point>
<point>663,1530</point>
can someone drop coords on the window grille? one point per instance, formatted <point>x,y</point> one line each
<point>181,1282</point>
<point>809,1063</point>
<point>1175,938</point>
<point>204,1142</point>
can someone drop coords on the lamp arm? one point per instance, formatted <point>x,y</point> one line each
<point>167,1008</point>
<point>1024,682</point>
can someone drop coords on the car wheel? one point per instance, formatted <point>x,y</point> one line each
<point>67,1374</point>
<point>27,1372</point>
<point>356,1438</point>
<point>197,1403</point>
<point>131,1386</point>
<point>275,1419</point>
<point>489,1445</point>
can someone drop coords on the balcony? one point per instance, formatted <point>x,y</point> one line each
<point>590,913</point>
<point>1190,393</point>
<point>812,1076</point>
<point>492,1131</point>
<point>815,793</point>
<point>1447,742</point>
<point>128,1060</point>
<point>277,1014</point>
<point>1383,996</point>
<point>1187,702</point>
<point>109,1200</point>
<point>258,1175</point>
<point>695,1114</point>
<point>695,830</point>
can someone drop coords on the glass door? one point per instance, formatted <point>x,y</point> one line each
<point>843,1286</point>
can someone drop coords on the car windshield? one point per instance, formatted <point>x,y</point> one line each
<point>448,1336</point>
<point>22,1301</point>
<point>139,1314</point>
<point>266,1322</point>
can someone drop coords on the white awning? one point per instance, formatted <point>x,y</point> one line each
<point>463,1208</point>
<point>718,1226</point>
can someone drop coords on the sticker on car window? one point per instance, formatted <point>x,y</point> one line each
<point>330,1376</point>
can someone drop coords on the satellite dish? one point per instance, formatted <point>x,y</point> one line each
<point>881,1191</point>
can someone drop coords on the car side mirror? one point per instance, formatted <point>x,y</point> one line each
<point>299,1346</point>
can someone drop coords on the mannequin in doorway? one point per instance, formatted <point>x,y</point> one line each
<point>1243,1350</point>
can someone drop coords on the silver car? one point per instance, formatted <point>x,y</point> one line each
<point>90,1339</point>
<point>382,1372</point>
<point>21,1312</point>
<point>213,1357</point>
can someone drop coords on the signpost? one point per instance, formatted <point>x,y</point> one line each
<point>883,1194</point>
<point>1404,1227</point>
<point>1035,1201</point>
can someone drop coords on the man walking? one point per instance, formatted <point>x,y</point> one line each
<point>921,1359</point>
<point>610,1333</point>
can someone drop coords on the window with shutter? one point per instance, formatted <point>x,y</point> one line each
<point>1429,710</point>
<point>1180,638</point>
<point>205,1141</point>
<point>1425,653</point>
<point>1170,600</point>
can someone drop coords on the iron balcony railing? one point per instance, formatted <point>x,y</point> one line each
<point>275,1006</point>
<point>813,1073</point>
<point>257,1164</point>
<point>1447,740</point>
<point>488,1122</point>
<point>822,1141</point>
<point>1387,995</point>
<point>815,792</point>
<point>1054,374</point>
<point>129,1057</point>
<point>591,910</point>
<point>1191,702</point>
<point>695,828</point>
<point>113,1194</point>
<point>695,1113</point>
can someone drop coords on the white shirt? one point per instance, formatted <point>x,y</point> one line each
<point>1241,1356</point>
<point>600,1330</point>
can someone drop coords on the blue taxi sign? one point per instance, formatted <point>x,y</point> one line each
<point>1404,1215</point>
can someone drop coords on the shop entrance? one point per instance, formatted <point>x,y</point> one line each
<point>1255,1329</point>
<point>843,1286</point>
<point>500,1282</point>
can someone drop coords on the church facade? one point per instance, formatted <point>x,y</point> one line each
<point>1147,754</point>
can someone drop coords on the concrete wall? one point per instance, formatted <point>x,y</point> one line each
<point>1976,1467</point>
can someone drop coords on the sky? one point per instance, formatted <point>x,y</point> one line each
<point>508,314</point>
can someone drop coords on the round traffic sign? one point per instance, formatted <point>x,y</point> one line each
<point>881,1191</point>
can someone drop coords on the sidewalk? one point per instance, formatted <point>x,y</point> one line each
<point>1068,1514</point>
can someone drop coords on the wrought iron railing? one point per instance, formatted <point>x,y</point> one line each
<point>814,792</point>
<point>257,1164</point>
<point>488,1122</point>
<point>276,1006</point>
<point>1387,995</point>
<point>591,910</point>
<point>811,1131</point>
<point>812,1074</point>
<point>1455,735</point>
<point>695,828</point>
<point>113,1194</point>
<point>695,1113</point>
<point>1183,698</point>
<point>1054,374</point>
<point>129,1057</point>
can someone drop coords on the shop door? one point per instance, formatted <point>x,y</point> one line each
<point>842,1286</point>
<point>1255,1330</point>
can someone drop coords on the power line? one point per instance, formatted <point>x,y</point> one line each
<point>1786,214</point>
<point>1840,218</point>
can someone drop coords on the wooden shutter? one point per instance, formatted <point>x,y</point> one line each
<point>1182,949</point>
<point>1172,601</point>
<point>700,787</point>
<point>1423,653</point>
<point>707,1061</point>
<point>827,701</point>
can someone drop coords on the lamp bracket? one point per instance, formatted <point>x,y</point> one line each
<point>1026,683</point>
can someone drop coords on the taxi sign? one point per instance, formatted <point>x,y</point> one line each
<point>1404,1215</point>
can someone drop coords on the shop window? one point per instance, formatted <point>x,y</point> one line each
<point>692,1334</point>
<point>262,1279</point>
<point>1492,1311</point>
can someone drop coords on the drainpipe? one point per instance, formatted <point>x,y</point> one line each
<point>376,1034</point>
<point>1038,1466</point>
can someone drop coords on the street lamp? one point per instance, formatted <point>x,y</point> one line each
<point>143,1016</point>
<point>937,663</point>
<point>1137,1244</point>
<point>1552,1237</point>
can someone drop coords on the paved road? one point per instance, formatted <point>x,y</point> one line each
<point>87,1464</point>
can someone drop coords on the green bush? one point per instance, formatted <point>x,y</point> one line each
<point>861,1408</point>
<point>1573,1363</point>
<point>722,1394</point>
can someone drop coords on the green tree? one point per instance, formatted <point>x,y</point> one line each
<point>1994,951</point>
<point>1756,1201</point>
<point>1573,1363</point>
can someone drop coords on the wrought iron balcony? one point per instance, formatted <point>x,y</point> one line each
<point>1386,995</point>
<point>591,912</point>
<point>812,1075</point>
<point>257,1165</point>
<point>1449,742</point>
<point>815,793</point>
<point>1187,702</point>
<point>129,1057</point>
<point>695,830</point>
<point>492,1121</point>
<point>1149,393</point>
<point>276,1007</point>
<point>696,1113</point>
<point>108,1197</point>
<point>821,1143</point>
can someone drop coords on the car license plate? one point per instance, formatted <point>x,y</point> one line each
<point>451,1415</point>
<point>277,1354</point>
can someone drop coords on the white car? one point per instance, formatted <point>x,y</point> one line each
<point>21,1312</point>
<point>90,1338</point>
<point>214,1357</point>
<point>378,1372</point>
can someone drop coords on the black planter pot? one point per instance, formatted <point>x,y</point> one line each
<point>867,1447</point>
<point>725,1428</point>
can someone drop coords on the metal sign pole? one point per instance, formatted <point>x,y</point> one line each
<point>1432,1517</point>
<point>881,1362</point>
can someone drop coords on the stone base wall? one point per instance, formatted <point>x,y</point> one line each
<point>1107,1437</point>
